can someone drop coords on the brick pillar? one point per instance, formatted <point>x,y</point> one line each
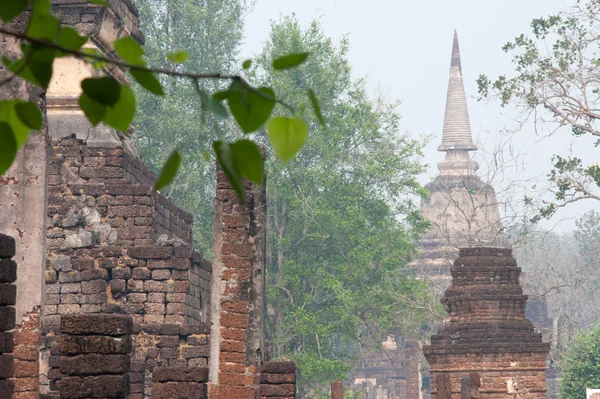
<point>95,352</point>
<point>8,296</point>
<point>237,342</point>
<point>337,390</point>
<point>26,352</point>
<point>413,384</point>
<point>179,382</point>
<point>278,380</point>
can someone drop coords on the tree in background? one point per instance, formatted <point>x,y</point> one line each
<point>557,82</point>
<point>582,366</point>
<point>211,33</point>
<point>340,227</point>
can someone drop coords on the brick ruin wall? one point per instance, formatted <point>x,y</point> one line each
<point>8,297</point>
<point>115,246</point>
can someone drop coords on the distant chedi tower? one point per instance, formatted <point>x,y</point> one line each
<point>462,208</point>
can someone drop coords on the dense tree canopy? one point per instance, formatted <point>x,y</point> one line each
<point>582,366</point>
<point>211,34</point>
<point>341,228</point>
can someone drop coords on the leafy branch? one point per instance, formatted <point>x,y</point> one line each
<point>106,100</point>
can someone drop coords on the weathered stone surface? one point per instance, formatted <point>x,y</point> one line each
<point>270,378</point>
<point>75,345</point>
<point>283,367</point>
<point>6,389</point>
<point>7,366</point>
<point>8,271</point>
<point>278,390</point>
<point>103,386</point>
<point>94,364</point>
<point>62,263</point>
<point>8,294</point>
<point>178,390</point>
<point>7,318</point>
<point>6,342</point>
<point>180,374</point>
<point>96,324</point>
<point>7,246</point>
<point>82,239</point>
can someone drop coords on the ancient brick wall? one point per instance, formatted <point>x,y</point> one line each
<point>197,304</point>
<point>95,356</point>
<point>486,331</point>
<point>8,297</point>
<point>169,345</point>
<point>179,382</point>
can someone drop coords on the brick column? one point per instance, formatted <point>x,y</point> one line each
<point>26,352</point>
<point>413,383</point>
<point>237,342</point>
<point>337,390</point>
<point>278,380</point>
<point>8,296</point>
<point>95,353</point>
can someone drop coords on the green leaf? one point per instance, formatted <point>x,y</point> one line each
<point>70,39</point>
<point>130,50</point>
<point>105,90</point>
<point>121,114</point>
<point>179,57</point>
<point>41,64</point>
<point>8,149</point>
<point>210,103</point>
<point>148,81</point>
<point>100,2</point>
<point>316,107</point>
<point>42,7</point>
<point>287,135</point>
<point>44,26</point>
<point>8,114</point>
<point>250,109</point>
<point>226,160</point>
<point>95,63</point>
<point>289,61</point>
<point>168,171</point>
<point>248,159</point>
<point>93,110</point>
<point>247,64</point>
<point>29,114</point>
<point>12,8</point>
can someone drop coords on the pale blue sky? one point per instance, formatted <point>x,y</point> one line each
<point>404,48</point>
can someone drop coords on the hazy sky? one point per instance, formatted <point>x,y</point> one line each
<point>403,48</point>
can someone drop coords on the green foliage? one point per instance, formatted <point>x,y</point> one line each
<point>340,225</point>
<point>106,100</point>
<point>204,38</point>
<point>581,366</point>
<point>169,171</point>
<point>556,80</point>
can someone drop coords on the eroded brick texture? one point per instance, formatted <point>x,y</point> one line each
<point>237,345</point>
<point>95,356</point>
<point>26,353</point>
<point>337,390</point>
<point>8,297</point>
<point>486,330</point>
<point>179,382</point>
<point>278,380</point>
<point>168,345</point>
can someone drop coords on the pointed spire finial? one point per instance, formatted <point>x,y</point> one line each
<point>455,62</point>
<point>457,127</point>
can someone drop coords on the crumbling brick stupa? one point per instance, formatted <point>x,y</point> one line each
<point>486,331</point>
